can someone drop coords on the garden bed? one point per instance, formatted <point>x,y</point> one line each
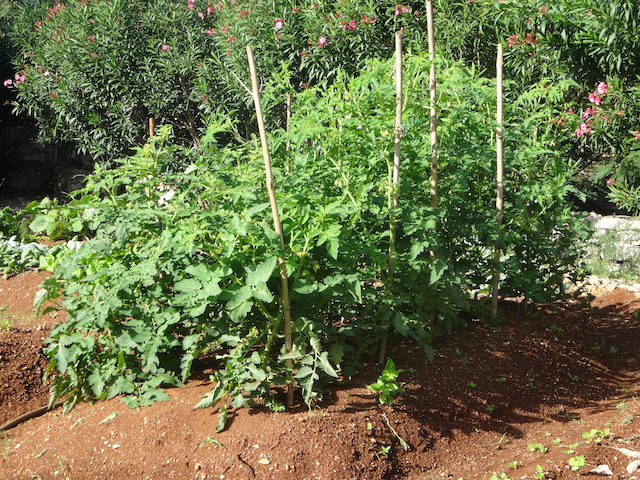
<point>491,402</point>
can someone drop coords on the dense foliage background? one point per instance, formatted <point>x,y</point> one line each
<point>181,259</point>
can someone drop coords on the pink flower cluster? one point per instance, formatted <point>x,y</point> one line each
<point>17,79</point>
<point>529,39</point>
<point>279,23</point>
<point>400,9</point>
<point>350,25</point>
<point>601,90</point>
<point>592,113</point>
<point>191,5</point>
<point>583,129</point>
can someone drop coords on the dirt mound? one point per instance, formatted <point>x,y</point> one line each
<point>533,397</point>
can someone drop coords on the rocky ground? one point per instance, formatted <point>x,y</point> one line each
<point>548,394</point>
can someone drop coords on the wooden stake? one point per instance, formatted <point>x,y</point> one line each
<point>284,280</point>
<point>500,186</point>
<point>395,179</point>
<point>287,166</point>
<point>152,126</point>
<point>432,102</point>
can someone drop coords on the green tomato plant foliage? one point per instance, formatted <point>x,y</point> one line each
<point>387,385</point>
<point>182,259</point>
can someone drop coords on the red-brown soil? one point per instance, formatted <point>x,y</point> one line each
<point>489,398</point>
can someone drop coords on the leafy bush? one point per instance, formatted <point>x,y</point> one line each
<point>93,72</point>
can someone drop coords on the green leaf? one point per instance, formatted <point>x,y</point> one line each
<point>222,420</point>
<point>437,270</point>
<point>326,365</point>
<point>261,273</point>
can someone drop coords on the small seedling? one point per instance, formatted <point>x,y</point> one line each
<point>209,440</point>
<point>499,476</point>
<point>369,426</point>
<point>576,463</point>
<point>501,379</point>
<point>557,441</point>
<point>574,378</point>
<point>387,386</point>
<point>513,464</point>
<point>595,435</point>
<point>472,384</point>
<point>533,447</point>
<point>572,449</point>
<point>384,450</point>
<point>490,409</point>
<point>539,472</point>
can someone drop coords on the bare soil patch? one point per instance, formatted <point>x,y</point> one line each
<point>493,400</point>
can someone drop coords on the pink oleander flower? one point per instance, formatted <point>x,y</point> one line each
<point>583,130</point>
<point>322,41</point>
<point>8,82</point>
<point>400,9</point>
<point>164,48</point>
<point>590,111</point>
<point>279,23</point>
<point>636,135</point>
<point>200,14</point>
<point>611,182</point>
<point>543,10</point>
<point>46,73</point>
<point>594,98</point>
<point>513,40</point>
<point>231,39</point>
<point>191,6</point>
<point>601,89</point>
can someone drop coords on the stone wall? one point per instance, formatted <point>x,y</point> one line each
<point>614,250</point>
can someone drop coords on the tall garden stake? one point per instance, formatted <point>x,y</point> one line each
<point>395,178</point>
<point>433,113</point>
<point>284,280</point>
<point>500,187</point>
<point>432,103</point>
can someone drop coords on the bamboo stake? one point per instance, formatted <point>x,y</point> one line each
<point>500,186</point>
<point>432,102</point>
<point>152,126</point>
<point>287,166</point>
<point>395,178</point>
<point>433,113</point>
<point>284,280</point>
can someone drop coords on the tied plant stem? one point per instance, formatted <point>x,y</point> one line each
<point>284,280</point>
